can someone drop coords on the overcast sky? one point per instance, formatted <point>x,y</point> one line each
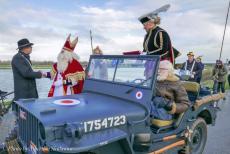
<point>193,25</point>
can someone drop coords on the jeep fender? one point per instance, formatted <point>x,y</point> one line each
<point>96,142</point>
<point>208,113</point>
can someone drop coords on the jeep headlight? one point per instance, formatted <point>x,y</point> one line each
<point>73,130</point>
<point>54,133</point>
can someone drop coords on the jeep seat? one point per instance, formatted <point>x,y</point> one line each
<point>192,88</point>
<point>165,125</point>
<point>161,123</point>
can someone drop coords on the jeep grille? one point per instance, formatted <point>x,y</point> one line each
<point>28,127</point>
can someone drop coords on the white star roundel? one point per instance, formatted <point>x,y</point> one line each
<point>139,95</point>
<point>66,102</point>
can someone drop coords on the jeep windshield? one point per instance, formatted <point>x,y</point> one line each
<point>129,70</point>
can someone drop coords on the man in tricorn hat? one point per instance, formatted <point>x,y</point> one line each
<point>157,40</point>
<point>24,75</point>
<point>67,74</point>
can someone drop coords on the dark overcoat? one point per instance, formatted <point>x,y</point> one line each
<point>24,77</point>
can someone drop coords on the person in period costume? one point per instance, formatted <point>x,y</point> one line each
<point>157,40</point>
<point>201,65</point>
<point>193,67</point>
<point>98,67</point>
<point>67,74</point>
<point>171,97</point>
<point>228,69</point>
<point>219,73</point>
<point>23,73</point>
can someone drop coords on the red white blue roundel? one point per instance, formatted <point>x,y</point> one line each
<point>66,102</point>
<point>139,95</point>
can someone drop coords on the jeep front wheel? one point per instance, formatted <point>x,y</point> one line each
<point>199,136</point>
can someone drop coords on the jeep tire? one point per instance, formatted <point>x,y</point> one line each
<point>198,137</point>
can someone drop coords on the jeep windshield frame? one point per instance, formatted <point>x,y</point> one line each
<point>125,70</point>
<point>121,89</point>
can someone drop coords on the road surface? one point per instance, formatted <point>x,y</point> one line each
<point>218,141</point>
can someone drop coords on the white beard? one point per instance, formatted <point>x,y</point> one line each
<point>162,77</point>
<point>64,58</point>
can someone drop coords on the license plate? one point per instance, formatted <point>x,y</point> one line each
<point>104,123</point>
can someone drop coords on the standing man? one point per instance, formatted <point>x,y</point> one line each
<point>157,40</point>
<point>24,75</point>
<point>228,68</point>
<point>219,73</point>
<point>192,66</point>
<point>201,66</point>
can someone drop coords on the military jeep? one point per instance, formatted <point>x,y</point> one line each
<point>112,114</point>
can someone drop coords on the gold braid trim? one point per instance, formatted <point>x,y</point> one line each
<point>75,77</point>
<point>155,40</point>
<point>147,41</point>
<point>173,111</point>
<point>155,43</point>
<point>52,73</point>
<point>161,39</point>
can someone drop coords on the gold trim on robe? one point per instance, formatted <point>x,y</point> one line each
<point>52,73</point>
<point>75,77</point>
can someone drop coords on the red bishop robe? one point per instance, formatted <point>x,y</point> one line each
<point>73,74</point>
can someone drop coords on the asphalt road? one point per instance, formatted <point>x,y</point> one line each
<point>218,141</point>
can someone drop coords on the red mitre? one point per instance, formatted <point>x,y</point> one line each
<point>69,46</point>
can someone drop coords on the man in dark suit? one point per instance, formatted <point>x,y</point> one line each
<point>24,75</point>
<point>193,67</point>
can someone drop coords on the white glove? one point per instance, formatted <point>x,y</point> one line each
<point>58,83</point>
<point>74,83</point>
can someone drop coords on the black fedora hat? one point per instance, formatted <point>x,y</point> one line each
<point>24,43</point>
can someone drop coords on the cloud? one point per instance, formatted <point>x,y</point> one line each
<point>192,25</point>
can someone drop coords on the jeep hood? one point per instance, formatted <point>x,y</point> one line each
<point>92,106</point>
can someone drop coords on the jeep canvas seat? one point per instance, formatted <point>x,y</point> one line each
<point>158,125</point>
<point>192,88</point>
